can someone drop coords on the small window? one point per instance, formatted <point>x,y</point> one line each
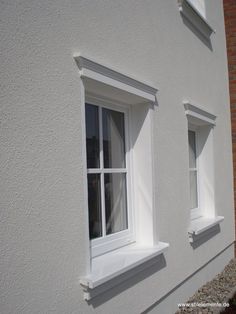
<point>107,176</point>
<point>201,171</point>
<point>201,164</point>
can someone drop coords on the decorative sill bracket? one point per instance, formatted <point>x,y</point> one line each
<point>111,269</point>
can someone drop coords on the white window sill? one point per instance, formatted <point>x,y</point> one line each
<point>109,266</point>
<point>202,224</point>
<point>195,18</point>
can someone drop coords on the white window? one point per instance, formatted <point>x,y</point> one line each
<point>117,115</point>
<point>201,170</point>
<point>108,176</point>
<point>193,172</point>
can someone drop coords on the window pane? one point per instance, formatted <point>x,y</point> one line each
<point>193,189</point>
<point>192,149</point>
<point>94,203</point>
<point>92,136</point>
<point>115,202</point>
<point>113,139</point>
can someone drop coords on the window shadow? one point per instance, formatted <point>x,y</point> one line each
<point>126,280</point>
<point>154,305</point>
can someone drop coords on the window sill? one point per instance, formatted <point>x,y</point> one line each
<point>109,266</point>
<point>202,224</point>
<point>195,18</point>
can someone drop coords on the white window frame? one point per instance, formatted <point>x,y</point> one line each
<point>113,241</point>
<point>196,212</point>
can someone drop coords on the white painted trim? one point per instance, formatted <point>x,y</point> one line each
<point>202,122</point>
<point>107,170</point>
<point>198,226</point>
<point>109,266</point>
<point>97,72</point>
<point>84,169</point>
<point>102,193</point>
<point>199,113</point>
<point>139,242</point>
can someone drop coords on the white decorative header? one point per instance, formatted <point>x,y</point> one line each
<point>92,70</point>
<point>200,115</point>
<point>195,17</point>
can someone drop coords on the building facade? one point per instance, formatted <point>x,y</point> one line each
<point>116,154</point>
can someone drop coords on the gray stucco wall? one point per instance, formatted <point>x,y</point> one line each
<point>44,230</point>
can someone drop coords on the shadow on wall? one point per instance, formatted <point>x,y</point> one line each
<point>183,282</point>
<point>128,279</point>
<point>205,236</point>
<point>206,41</point>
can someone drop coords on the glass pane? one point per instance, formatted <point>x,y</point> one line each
<point>193,189</point>
<point>113,139</point>
<point>115,202</point>
<point>192,149</point>
<point>94,204</point>
<point>92,136</point>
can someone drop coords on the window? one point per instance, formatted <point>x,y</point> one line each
<point>117,119</point>
<point>193,172</point>
<point>201,171</point>
<point>110,219</point>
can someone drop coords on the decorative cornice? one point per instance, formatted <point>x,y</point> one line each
<point>199,113</point>
<point>195,18</point>
<point>93,70</point>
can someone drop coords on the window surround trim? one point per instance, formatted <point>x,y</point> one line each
<point>198,227</point>
<point>89,69</point>
<point>200,115</point>
<point>197,117</point>
<point>147,247</point>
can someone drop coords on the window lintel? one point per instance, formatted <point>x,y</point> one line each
<point>105,80</point>
<point>197,115</point>
<point>195,18</point>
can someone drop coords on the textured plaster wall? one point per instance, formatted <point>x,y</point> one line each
<point>44,229</point>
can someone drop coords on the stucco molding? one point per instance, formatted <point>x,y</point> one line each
<point>90,69</point>
<point>195,18</point>
<point>200,115</point>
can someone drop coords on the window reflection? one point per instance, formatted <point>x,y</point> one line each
<point>113,139</point>
<point>115,202</point>
<point>94,203</point>
<point>92,136</point>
